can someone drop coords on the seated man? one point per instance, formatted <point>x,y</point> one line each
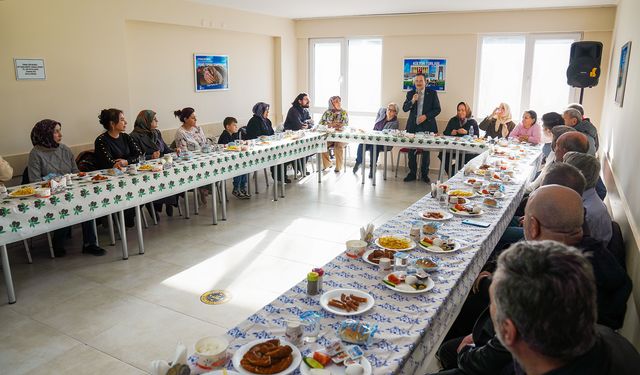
<point>597,217</point>
<point>543,307</point>
<point>555,212</point>
<point>557,132</point>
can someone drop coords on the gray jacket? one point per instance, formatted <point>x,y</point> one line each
<point>43,161</point>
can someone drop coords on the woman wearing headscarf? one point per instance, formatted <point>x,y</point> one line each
<point>146,134</point>
<point>259,124</point>
<point>458,126</point>
<point>336,118</point>
<point>498,124</point>
<point>50,157</point>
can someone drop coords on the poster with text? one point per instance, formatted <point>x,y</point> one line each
<point>434,70</point>
<point>211,72</point>
<point>622,73</point>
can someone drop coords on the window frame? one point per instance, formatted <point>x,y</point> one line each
<point>344,71</point>
<point>527,71</point>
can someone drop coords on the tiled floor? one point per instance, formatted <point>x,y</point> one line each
<point>101,315</point>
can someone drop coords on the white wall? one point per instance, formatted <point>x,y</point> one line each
<point>619,136</point>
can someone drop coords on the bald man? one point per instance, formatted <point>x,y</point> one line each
<point>556,212</point>
<point>571,141</point>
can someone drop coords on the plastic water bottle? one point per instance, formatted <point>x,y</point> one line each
<point>471,131</point>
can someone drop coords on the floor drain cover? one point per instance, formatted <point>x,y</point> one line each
<point>215,297</point>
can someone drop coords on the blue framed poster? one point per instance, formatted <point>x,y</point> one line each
<point>434,70</point>
<point>211,72</point>
<point>623,68</point>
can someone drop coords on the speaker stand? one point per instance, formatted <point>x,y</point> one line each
<point>581,95</point>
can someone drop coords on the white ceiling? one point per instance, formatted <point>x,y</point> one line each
<point>299,9</point>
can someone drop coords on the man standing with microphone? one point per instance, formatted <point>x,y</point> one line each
<point>423,106</point>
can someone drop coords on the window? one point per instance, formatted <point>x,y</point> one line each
<point>351,68</point>
<point>524,71</point>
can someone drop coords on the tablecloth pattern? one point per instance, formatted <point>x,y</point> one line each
<point>410,325</point>
<point>22,218</point>
<point>420,140</point>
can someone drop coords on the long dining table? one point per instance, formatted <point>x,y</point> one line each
<point>410,326</point>
<point>26,217</point>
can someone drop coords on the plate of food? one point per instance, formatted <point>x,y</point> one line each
<point>437,244</point>
<point>145,168</point>
<point>360,366</point>
<point>346,302</point>
<point>374,256</point>
<point>400,282</point>
<point>436,215</point>
<point>494,194</point>
<point>266,356</point>
<point>466,210</point>
<point>23,192</point>
<point>221,372</point>
<point>461,193</point>
<point>426,264</point>
<point>99,177</point>
<point>471,181</point>
<point>398,243</point>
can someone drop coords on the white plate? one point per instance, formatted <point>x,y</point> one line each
<point>338,370</point>
<point>438,250</point>
<point>465,213</point>
<point>219,372</point>
<point>365,257</point>
<point>446,215</point>
<point>473,194</point>
<point>412,244</point>
<point>364,307</point>
<point>20,196</point>
<point>237,357</point>
<point>430,285</point>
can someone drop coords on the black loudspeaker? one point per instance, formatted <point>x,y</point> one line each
<point>584,64</point>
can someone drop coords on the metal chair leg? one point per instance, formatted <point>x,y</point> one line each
<point>266,178</point>
<point>112,234</point>
<point>186,205</point>
<point>95,231</point>
<point>152,210</point>
<point>26,248</point>
<point>144,220</point>
<point>139,230</point>
<point>214,203</point>
<point>224,200</point>
<point>53,255</point>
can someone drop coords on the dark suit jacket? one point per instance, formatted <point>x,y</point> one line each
<point>430,108</point>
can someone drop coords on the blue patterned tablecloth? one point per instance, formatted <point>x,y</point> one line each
<point>410,325</point>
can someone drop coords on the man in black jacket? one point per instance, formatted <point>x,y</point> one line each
<point>423,106</point>
<point>543,308</point>
<point>298,116</point>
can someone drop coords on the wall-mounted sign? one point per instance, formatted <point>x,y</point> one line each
<point>211,72</point>
<point>434,70</point>
<point>29,69</point>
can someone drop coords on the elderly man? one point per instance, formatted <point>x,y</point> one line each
<point>543,307</point>
<point>585,125</point>
<point>571,141</point>
<point>556,213</point>
<point>572,117</point>
<point>423,106</point>
<point>597,217</point>
<point>557,132</point>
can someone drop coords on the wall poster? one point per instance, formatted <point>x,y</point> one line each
<point>211,72</point>
<point>622,72</point>
<point>434,69</point>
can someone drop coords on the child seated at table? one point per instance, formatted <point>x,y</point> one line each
<point>231,134</point>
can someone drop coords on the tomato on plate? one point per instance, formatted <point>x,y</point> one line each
<point>323,358</point>
<point>394,279</point>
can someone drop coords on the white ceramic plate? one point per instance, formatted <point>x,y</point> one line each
<point>335,294</point>
<point>10,195</point>
<point>365,257</point>
<point>446,215</point>
<point>338,370</point>
<point>439,250</point>
<point>412,244</point>
<point>237,357</point>
<point>465,213</point>
<point>473,194</point>
<point>429,281</point>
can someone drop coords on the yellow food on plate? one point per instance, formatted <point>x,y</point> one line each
<point>394,243</point>
<point>23,191</point>
<point>146,167</point>
<point>461,193</point>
